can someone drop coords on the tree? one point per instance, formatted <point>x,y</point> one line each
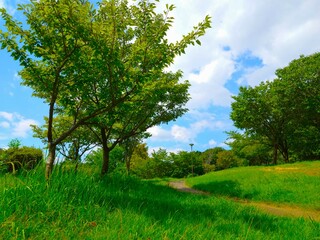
<point>72,148</point>
<point>227,159</point>
<point>86,62</point>
<point>135,152</point>
<point>285,111</point>
<point>300,84</point>
<point>300,88</point>
<point>256,111</point>
<point>95,158</point>
<point>210,156</point>
<point>253,149</point>
<point>186,164</point>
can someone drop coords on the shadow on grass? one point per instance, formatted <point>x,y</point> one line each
<point>161,204</point>
<point>226,188</point>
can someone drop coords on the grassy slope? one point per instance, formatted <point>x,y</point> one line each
<point>86,207</point>
<point>294,184</point>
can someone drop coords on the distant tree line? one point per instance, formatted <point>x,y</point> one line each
<point>162,163</point>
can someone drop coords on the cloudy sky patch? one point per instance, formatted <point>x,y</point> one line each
<point>248,41</point>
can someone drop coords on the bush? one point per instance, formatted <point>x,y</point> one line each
<point>227,159</point>
<point>208,168</point>
<point>25,157</point>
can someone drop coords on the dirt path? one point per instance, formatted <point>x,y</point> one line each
<point>278,210</point>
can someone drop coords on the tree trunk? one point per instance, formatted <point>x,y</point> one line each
<point>128,163</point>
<point>50,161</point>
<point>105,163</point>
<point>275,153</point>
<point>285,152</point>
<point>106,151</point>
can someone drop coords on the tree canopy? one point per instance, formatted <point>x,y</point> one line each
<point>99,62</point>
<point>286,110</point>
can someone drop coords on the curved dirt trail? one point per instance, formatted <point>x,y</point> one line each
<point>277,210</point>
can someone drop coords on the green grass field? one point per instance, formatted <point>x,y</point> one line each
<point>293,184</point>
<point>79,206</point>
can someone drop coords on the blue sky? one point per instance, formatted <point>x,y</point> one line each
<point>248,41</point>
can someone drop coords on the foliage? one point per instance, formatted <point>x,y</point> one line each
<point>284,111</point>
<point>73,147</point>
<point>299,82</point>
<point>251,149</point>
<point>187,164</point>
<point>102,65</point>
<point>22,158</point>
<point>95,158</point>
<point>139,156</point>
<point>14,144</point>
<point>227,159</point>
<point>209,156</point>
<point>163,164</point>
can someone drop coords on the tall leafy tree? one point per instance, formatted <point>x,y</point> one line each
<point>299,85</point>
<point>255,110</point>
<point>286,111</point>
<point>87,62</point>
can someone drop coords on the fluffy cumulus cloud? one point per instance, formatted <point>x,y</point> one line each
<point>248,41</point>
<point>13,125</point>
<point>185,134</point>
<point>212,143</point>
<point>272,32</point>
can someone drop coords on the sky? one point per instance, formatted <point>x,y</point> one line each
<point>248,41</point>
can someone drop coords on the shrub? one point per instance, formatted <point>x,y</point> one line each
<point>227,159</point>
<point>208,168</point>
<point>24,157</point>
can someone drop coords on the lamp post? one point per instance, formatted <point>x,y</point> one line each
<point>191,145</point>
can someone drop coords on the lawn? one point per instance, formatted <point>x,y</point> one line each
<point>84,206</point>
<point>293,184</point>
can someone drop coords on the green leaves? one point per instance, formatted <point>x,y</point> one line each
<point>281,109</point>
<point>101,66</point>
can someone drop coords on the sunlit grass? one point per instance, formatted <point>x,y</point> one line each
<point>82,206</point>
<point>296,184</point>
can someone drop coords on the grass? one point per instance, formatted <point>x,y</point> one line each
<point>294,184</point>
<point>82,206</point>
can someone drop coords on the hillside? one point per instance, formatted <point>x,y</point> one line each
<point>295,184</point>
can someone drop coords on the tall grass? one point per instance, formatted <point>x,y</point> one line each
<point>295,184</point>
<point>82,206</point>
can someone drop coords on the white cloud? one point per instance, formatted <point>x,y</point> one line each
<point>185,134</point>
<point>158,133</point>
<point>4,124</point>
<point>181,134</point>
<point>208,86</point>
<point>15,125</point>
<point>22,127</point>
<point>212,143</point>
<point>7,116</point>
<point>275,31</point>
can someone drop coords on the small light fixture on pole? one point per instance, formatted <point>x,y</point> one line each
<point>191,145</point>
